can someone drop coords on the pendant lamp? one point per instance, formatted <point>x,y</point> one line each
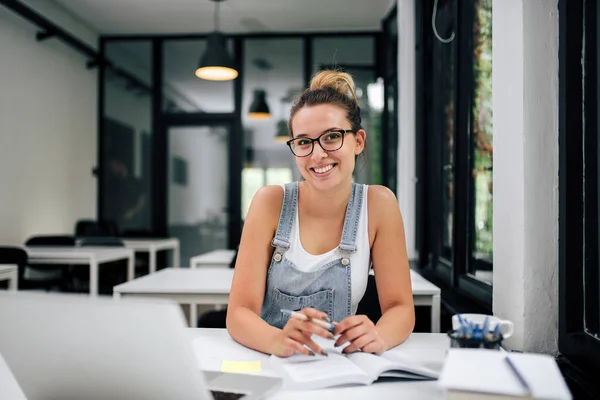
<point>215,63</point>
<point>259,109</point>
<point>283,134</point>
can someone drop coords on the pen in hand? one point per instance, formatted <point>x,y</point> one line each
<point>323,324</point>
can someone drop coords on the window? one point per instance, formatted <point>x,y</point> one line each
<point>455,145</point>
<point>255,178</point>
<point>579,319</point>
<point>481,221</point>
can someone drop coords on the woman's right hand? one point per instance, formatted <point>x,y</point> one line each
<point>296,334</point>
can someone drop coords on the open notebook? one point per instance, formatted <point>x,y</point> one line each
<point>302,372</point>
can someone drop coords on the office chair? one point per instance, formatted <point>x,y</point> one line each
<point>14,256</point>
<point>369,304</point>
<point>42,276</point>
<point>89,228</point>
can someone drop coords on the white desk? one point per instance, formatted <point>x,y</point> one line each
<point>152,246</point>
<point>207,285</point>
<point>426,293</point>
<point>426,349</point>
<point>9,387</point>
<point>92,256</point>
<point>216,257</point>
<point>10,273</point>
<point>211,285</point>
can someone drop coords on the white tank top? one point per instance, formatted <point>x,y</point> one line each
<point>359,261</point>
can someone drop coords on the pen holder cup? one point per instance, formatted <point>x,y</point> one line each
<point>493,343</point>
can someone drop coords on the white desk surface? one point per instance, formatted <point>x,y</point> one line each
<point>222,257</point>
<point>147,244</point>
<point>8,269</point>
<point>9,387</point>
<point>60,254</point>
<point>181,280</point>
<point>426,349</point>
<point>215,279</point>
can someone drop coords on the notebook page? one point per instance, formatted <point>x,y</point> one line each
<point>329,371</point>
<point>377,366</point>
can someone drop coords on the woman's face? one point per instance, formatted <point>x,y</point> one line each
<point>327,169</point>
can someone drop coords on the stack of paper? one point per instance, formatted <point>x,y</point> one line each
<point>486,374</point>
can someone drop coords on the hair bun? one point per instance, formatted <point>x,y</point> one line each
<point>340,81</point>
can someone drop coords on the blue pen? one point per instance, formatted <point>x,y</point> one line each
<point>496,331</point>
<point>486,328</point>
<point>323,324</point>
<point>518,375</point>
<point>462,330</point>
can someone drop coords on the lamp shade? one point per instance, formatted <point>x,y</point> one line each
<point>259,109</point>
<point>216,64</point>
<point>283,134</point>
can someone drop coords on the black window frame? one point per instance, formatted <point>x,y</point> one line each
<point>577,135</point>
<point>450,273</point>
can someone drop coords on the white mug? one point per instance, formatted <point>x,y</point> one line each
<point>507,328</point>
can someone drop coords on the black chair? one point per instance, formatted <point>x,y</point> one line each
<point>14,256</point>
<point>46,276</point>
<point>90,228</point>
<point>109,274</point>
<point>369,304</point>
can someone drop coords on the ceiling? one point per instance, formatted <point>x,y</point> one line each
<point>236,16</point>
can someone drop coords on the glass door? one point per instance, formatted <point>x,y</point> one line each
<point>198,185</point>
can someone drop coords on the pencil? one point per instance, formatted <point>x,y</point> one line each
<point>293,314</point>
<point>520,377</point>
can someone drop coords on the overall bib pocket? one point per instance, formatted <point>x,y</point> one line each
<point>321,300</point>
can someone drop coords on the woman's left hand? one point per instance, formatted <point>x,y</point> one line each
<point>362,334</point>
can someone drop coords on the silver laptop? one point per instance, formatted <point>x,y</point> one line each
<point>76,347</point>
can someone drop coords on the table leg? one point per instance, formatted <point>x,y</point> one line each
<point>435,313</point>
<point>13,281</point>
<point>176,256</point>
<point>193,315</point>
<point>130,267</point>
<point>152,254</point>
<point>94,278</point>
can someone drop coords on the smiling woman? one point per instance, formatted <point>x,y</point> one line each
<point>308,246</point>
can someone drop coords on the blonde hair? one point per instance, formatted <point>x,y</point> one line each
<point>330,87</point>
<point>340,81</point>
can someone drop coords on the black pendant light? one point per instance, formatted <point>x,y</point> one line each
<point>283,134</point>
<point>259,109</point>
<point>216,64</point>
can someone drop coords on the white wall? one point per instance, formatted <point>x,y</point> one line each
<point>525,104</point>
<point>47,128</point>
<point>406,122</point>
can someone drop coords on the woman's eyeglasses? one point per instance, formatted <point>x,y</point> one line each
<point>329,141</point>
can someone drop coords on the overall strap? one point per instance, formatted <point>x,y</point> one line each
<point>281,241</point>
<point>353,211</point>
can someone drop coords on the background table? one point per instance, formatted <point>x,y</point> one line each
<point>211,285</point>
<point>152,246</point>
<point>10,273</point>
<point>207,285</point>
<point>92,256</point>
<point>213,258</point>
<point>212,346</point>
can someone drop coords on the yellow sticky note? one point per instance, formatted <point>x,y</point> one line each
<point>241,367</point>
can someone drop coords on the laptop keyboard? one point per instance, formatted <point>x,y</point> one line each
<point>225,395</point>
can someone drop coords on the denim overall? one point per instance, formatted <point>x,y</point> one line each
<point>326,289</point>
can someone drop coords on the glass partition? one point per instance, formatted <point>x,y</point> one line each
<point>126,136</point>
<point>275,67</point>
